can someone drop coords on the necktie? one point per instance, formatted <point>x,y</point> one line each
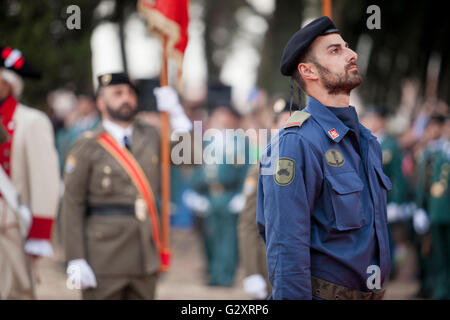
<point>126,142</point>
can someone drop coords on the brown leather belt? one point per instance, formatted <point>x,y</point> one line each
<point>330,291</point>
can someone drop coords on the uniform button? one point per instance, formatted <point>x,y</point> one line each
<point>106,182</point>
<point>99,235</point>
<point>107,170</point>
<point>336,297</point>
<point>155,159</point>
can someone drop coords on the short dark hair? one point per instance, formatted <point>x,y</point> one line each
<point>307,56</point>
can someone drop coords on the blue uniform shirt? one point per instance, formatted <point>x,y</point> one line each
<point>322,205</point>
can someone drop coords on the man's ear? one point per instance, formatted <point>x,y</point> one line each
<point>100,103</point>
<point>307,71</point>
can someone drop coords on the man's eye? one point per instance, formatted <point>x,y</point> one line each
<point>334,51</point>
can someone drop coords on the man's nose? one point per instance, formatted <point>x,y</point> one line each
<point>352,55</point>
<point>129,97</point>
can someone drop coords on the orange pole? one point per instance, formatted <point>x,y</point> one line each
<point>165,159</point>
<point>326,8</point>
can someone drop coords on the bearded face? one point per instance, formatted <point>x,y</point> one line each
<point>118,102</point>
<point>124,113</point>
<point>339,82</point>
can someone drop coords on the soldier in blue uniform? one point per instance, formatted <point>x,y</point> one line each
<point>321,191</point>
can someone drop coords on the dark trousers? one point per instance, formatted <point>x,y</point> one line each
<point>219,231</point>
<point>441,255</point>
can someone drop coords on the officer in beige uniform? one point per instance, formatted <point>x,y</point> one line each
<point>109,235</point>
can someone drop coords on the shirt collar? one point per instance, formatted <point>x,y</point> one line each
<point>116,131</point>
<point>366,133</point>
<point>334,128</point>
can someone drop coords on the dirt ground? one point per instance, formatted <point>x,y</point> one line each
<point>185,280</point>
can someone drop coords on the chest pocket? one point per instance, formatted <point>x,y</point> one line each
<point>346,201</point>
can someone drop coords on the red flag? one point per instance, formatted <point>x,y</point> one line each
<point>171,18</point>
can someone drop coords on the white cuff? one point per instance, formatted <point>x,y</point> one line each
<point>195,201</point>
<point>255,286</point>
<point>393,212</point>
<point>38,247</point>
<point>237,203</point>
<point>421,222</point>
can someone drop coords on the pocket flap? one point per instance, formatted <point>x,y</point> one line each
<point>346,182</point>
<point>384,178</point>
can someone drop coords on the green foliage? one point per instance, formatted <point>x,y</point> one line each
<point>38,29</point>
<point>411,31</point>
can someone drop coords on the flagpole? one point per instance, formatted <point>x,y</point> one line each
<point>165,158</point>
<point>326,8</point>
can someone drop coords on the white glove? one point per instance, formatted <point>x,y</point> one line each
<point>255,286</point>
<point>420,221</point>
<point>393,212</point>
<point>195,201</point>
<point>38,247</point>
<point>167,100</point>
<point>237,203</point>
<point>25,220</point>
<point>80,275</point>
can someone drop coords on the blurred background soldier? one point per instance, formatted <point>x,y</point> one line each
<point>252,251</point>
<point>375,120</point>
<point>84,117</point>
<point>217,185</point>
<point>439,214</point>
<point>112,180</point>
<point>29,161</point>
<point>423,242</point>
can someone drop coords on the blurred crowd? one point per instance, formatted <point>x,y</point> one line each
<point>216,199</point>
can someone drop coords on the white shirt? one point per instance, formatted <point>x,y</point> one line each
<point>118,132</point>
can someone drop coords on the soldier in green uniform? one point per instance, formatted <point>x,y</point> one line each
<point>392,155</point>
<point>216,195</point>
<point>439,214</point>
<point>421,223</point>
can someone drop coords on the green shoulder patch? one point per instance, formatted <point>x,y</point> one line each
<point>284,172</point>
<point>297,119</point>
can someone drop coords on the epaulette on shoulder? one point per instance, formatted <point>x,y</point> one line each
<point>297,119</point>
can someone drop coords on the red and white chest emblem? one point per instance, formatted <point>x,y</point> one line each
<point>333,133</point>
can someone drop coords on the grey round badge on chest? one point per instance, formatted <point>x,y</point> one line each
<point>334,158</point>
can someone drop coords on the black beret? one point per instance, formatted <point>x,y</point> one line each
<point>12,59</point>
<point>110,79</point>
<point>301,40</point>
